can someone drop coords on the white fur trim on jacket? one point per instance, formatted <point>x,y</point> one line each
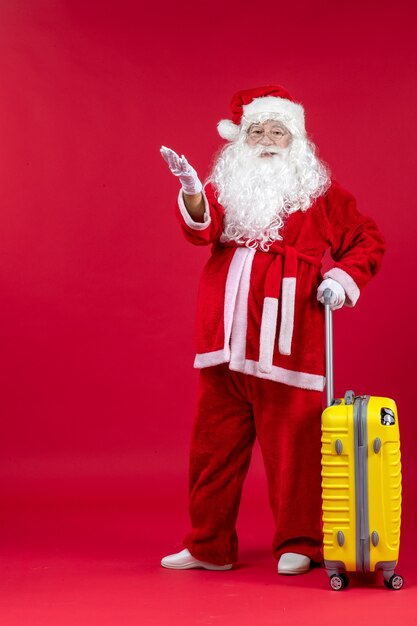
<point>303,380</point>
<point>351,288</point>
<point>240,318</point>
<point>187,217</point>
<point>234,277</point>
<point>209,359</point>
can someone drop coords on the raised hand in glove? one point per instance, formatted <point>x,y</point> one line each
<point>179,166</point>
<point>338,297</point>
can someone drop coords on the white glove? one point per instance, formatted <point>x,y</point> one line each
<point>338,296</point>
<point>180,167</point>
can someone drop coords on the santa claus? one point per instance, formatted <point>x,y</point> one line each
<point>270,210</point>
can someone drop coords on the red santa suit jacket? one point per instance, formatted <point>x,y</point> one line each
<point>258,310</point>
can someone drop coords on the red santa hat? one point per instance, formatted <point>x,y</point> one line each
<point>253,105</point>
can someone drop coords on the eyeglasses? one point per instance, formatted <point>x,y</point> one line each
<point>257,133</point>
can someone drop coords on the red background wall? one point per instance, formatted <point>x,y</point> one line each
<point>97,286</point>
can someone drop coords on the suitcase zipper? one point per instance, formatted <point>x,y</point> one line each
<point>361,484</point>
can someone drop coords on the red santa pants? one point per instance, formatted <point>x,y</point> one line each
<point>233,409</point>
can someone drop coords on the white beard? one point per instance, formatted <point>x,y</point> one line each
<point>258,192</point>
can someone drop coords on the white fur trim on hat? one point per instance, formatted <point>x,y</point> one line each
<point>259,108</point>
<point>279,106</point>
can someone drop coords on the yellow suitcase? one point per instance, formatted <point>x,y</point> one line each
<point>361,482</point>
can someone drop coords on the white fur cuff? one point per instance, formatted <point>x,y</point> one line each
<point>351,288</point>
<point>187,217</point>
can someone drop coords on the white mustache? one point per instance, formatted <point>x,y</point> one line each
<point>270,150</point>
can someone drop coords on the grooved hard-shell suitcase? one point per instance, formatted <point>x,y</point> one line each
<point>361,482</point>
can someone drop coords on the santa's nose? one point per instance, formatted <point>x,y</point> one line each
<point>266,141</point>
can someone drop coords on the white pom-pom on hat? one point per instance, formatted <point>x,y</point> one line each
<point>228,130</point>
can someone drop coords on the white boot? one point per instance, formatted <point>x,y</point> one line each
<point>292,563</point>
<point>184,560</point>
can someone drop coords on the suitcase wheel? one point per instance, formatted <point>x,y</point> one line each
<point>396,582</point>
<point>338,582</point>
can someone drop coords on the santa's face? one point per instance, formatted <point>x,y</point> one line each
<point>267,134</point>
<point>262,177</point>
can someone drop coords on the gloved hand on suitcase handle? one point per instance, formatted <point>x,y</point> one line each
<point>338,293</point>
<point>179,166</point>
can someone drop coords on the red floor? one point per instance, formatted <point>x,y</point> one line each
<point>78,563</point>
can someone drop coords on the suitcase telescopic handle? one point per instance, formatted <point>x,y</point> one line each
<point>329,348</point>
